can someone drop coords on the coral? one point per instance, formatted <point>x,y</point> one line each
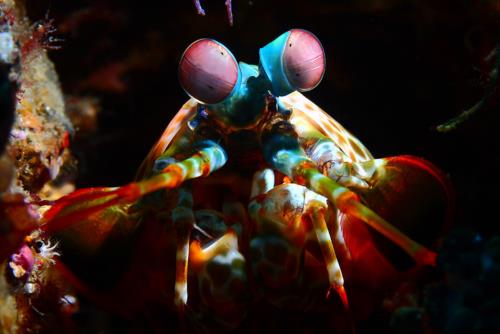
<point>35,135</point>
<point>39,137</point>
<point>490,93</point>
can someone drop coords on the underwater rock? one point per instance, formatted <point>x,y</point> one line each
<point>41,130</point>
<point>465,298</point>
<point>34,136</point>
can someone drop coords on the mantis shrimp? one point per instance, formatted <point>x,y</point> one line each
<point>317,198</point>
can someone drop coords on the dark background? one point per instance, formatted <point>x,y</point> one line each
<point>395,70</point>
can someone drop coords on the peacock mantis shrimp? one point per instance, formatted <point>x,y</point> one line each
<point>312,202</point>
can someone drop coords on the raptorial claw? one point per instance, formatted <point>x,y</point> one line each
<point>415,196</point>
<point>299,167</point>
<point>85,202</point>
<point>419,253</point>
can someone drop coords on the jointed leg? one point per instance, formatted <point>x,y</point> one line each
<point>338,235</point>
<point>183,221</point>
<point>275,207</point>
<point>334,163</point>
<point>225,244</point>
<point>283,152</point>
<point>209,157</point>
<point>262,182</point>
<point>326,245</point>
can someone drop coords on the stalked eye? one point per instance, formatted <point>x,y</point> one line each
<point>208,71</point>
<point>303,60</point>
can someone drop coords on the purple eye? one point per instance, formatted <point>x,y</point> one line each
<point>303,60</point>
<point>208,71</point>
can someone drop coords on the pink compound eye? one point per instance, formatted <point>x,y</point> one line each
<point>303,60</point>
<point>208,71</point>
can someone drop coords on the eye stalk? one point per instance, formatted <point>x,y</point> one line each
<point>293,61</point>
<point>208,71</point>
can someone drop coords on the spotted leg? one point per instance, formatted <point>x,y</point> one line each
<point>282,209</point>
<point>183,220</point>
<point>283,152</point>
<point>335,277</point>
<point>82,203</point>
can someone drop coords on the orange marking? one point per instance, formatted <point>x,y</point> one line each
<point>205,164</point>
<point>356,148</point>
<point>343,296</point>
<point>321,121</point>
<point>179,121</point>
<point>181,271</point>
<point>65,141</point>
<point>176,172</point>
<point>196,256</point>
